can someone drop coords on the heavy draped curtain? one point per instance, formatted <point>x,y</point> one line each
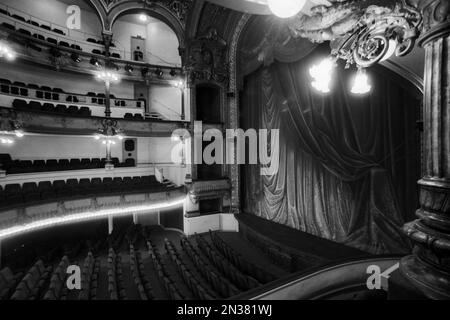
<point>348,164</point>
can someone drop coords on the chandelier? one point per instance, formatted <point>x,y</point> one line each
<point>109,133</point>
<point>10,127</point>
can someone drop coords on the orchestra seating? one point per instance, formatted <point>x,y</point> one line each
<point>45,191</point>
<point>12,166</point>
<point>134,262</point>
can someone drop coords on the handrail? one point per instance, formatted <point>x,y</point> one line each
<point>322,282</point>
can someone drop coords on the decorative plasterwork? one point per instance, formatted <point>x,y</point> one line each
<point>207,58</point>
<point>361,32</point>
<point>233,105</point>
<point>210,189</point>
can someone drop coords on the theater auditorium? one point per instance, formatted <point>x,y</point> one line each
<point>224,149</point>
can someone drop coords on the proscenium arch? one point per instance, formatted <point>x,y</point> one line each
<point>154,10</point>
<point>100,12</point>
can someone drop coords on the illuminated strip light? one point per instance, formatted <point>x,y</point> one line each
<point>85,216</point>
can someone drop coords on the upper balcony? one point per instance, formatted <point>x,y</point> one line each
<point>42,42</point>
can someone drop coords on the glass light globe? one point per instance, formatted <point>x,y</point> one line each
<point>286,8</point>
<point>361,83</point>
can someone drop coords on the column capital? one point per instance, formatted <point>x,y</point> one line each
<point>436,18</point>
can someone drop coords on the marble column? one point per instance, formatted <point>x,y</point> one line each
<point>428,268</point>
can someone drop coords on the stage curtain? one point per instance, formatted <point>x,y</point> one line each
<point>348,164</point>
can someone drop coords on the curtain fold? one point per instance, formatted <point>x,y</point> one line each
<point>342,158</point>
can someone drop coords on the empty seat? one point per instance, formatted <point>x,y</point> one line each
<point>34,23</point>
<point>33,86</point>
<point>64,164</point>
<point>116,55</point>
<point>8,26</point>
<point>76,47</point>
<point>39,36</point>
<point>24,32</point>
<point>73,110</point>
<point>60,108</point>
<point>138,116</point>
<point>75,164</point>
<point>129,116</point>
<point>96,51</point>
<point>20,104</point>
<point>58,31</point>
<point>51,164</point>
<point>48,107</point>
<point>52,41</point>
<point>39,165</point>
<point>85,111</point>
<point>46,27</point>
<point>18,17</point>
<point>86,163</point>
<point>35,106</point>
<point>91,40</point>
<point>30,192</point>
<point>64,44</point>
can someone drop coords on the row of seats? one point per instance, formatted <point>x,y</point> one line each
<point>58,289</point>
<point>55,42</point>
<point>44,191</point>
<point>170,286</point>
<point>49,107</point>
<point>241,280</point>
<point>138,273</point>
<point>238,261</point>
<point>32,22</point>
<point>89,278</point>
<point>116,288</point>
<point>28,166</point>
<point>32,284</point>
<point>48,93</point>
<point>221,284</point>
<point>48,28</point>
<point>198,290</point>
<point>8,282</point>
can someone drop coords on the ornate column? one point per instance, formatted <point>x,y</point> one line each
<point>428,269</point>
<point>233,106</point>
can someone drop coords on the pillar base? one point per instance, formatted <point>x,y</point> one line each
<point>401,288</point>
<point>428,280</point>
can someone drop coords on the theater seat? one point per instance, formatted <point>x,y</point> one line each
<point>20,104</point>
<point>30,192</point>
<point>48,107</point>
<point>58,31</point>
<point>73,110</point>
<point>85,111</point>
<point>60,108</point>
<point>8,26</point>
<point>24,32</point>
<point>39,36</point>
<point>35,106</point>
<point>52,41</point>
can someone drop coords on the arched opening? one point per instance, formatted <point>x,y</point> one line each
<point>145,37</point>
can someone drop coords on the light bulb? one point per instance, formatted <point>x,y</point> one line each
<point>321,74</point>
<point>286,8</point>
<point>361,83</point>
<point>19,134</point>
<point>143,17</point>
